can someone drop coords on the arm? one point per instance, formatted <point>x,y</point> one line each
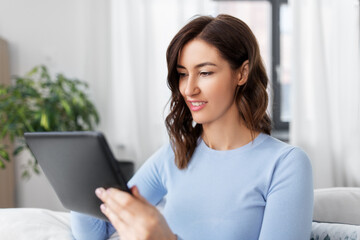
<point>289,204</point>
<point>150,178</point>
<point>147,179</point>
<point>89,228</point>
<point>133,216</point>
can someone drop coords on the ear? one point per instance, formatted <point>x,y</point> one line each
<point>243,73</point>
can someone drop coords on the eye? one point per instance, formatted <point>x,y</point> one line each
<point>205,74</point>
<point>182,75</point>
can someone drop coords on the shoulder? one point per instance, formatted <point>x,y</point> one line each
<point>162,156</point>
<point>156,164</point>
<point>292,155</point>
<point>295,162</point>
<point>283,160</point>
<point>165,150</point>
<point>152,176</point>
<point>283,152</point>
<point>290,166</point>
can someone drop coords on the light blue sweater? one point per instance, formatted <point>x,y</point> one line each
<point>262,190</point>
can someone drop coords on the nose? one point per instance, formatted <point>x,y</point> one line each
<point>191,87</point>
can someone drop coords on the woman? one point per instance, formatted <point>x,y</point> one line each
<point>223,175</point>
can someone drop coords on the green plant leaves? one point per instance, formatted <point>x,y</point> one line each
<point>36,103</point>
<point>4,155</point>
<point>44,122</point>
<point>32,71</point>
<point>66,106</point>
<point>18,149</point>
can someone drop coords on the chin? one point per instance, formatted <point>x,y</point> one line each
<point>200,120</point>
<point>197,121</point>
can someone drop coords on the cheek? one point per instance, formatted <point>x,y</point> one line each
<point>219,89</point>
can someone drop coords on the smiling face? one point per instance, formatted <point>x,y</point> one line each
<point>207,83</point>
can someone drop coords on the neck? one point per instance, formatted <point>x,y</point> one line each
<point>227,134</point>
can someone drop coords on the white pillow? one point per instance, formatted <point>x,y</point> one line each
<point>337,205</point>
<point>36,223</point>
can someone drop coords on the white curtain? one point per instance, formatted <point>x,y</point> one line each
<point>140,33</point>
<point>326,89</point>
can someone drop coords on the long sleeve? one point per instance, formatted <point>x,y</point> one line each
<point>289,203</point>
<point>147,179</point>
<point>85,227</point>
<point>262,190</point>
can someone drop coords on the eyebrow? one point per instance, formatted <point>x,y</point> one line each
<point>199,65</point>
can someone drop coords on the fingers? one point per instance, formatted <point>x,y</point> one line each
<point>117,204</point>
<point>113,196</point>
<point>112,216</point>
<point>112,209</point>
<point>132,216</point>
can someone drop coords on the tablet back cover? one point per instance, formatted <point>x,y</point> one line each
<point>76,163</point>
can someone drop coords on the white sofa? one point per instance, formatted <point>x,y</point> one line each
<point>336,217</point>
<point>336,214</point>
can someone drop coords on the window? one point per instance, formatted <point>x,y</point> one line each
<point>270,21</point>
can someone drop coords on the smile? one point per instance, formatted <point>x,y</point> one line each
<point>196,106</point>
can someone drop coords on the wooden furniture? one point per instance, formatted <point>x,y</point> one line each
<point>7,178</point>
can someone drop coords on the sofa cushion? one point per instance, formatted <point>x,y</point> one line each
<point>333,231</point>
<point>337,205</point>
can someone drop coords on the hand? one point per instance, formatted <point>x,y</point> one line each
<point>132,216</point>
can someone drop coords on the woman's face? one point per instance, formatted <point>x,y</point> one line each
<point>207,83</point>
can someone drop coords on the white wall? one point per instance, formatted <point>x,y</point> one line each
<point>69,36</point>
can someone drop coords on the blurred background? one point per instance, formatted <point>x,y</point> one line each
<point>310,49</point>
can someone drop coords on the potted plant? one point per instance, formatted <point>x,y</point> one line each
<point>36,103</point>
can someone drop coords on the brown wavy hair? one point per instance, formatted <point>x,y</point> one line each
<point>236,43</point>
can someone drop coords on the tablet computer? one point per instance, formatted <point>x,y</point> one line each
<point>76,163</point>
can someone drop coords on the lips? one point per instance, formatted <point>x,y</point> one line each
<point>196,105</point>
